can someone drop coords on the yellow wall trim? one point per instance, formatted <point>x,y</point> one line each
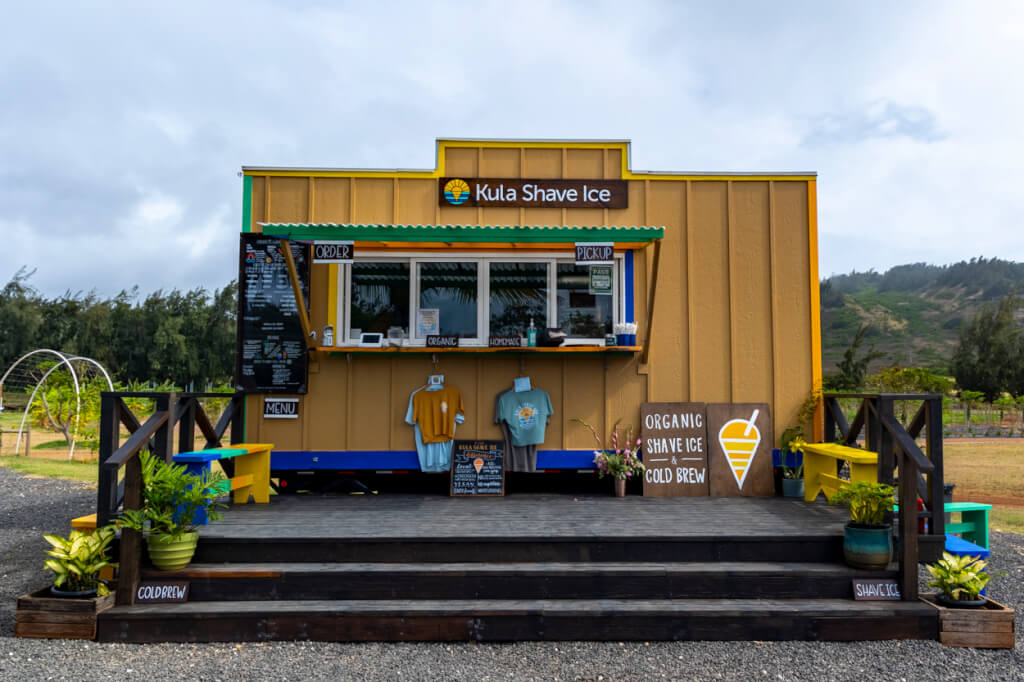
<point>812,254</point>
<point>622,146</point>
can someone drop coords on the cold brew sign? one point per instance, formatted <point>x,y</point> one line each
<point>674,440</point>
<point>533,193</point>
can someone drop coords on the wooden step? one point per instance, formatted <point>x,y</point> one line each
<point>822,547</point>
<point>509,580</point>
<point>519,620</point>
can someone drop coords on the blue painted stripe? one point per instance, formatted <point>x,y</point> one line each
<point>629,287</point>
<point>295,460</point>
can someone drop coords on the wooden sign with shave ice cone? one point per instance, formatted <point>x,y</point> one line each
<point>740,450</point>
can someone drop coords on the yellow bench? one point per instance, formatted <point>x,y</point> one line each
<point>820,460</point>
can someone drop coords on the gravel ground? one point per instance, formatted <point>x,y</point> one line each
<point>30,507</point>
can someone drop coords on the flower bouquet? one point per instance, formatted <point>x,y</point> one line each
<point>620,459</point>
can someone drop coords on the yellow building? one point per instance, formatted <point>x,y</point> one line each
<point>728,259</point>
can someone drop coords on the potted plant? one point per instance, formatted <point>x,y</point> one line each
<point>68,608</point>
<point>960,580</point>
<point>174,504</point>
<point>867,542</point>
<point>790,453</point>
<point>966,617</point>
<point>791,463</point>
<point>77,560</point>
<point>620,460</point>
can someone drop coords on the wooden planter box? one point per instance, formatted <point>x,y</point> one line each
<point>990,627</point>
<point>41,615</point>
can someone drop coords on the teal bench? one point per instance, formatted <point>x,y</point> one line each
<point>973,523</point>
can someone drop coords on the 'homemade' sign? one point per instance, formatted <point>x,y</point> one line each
<point>533,193</point>
<point>478,468</point>
<point>674,440</point>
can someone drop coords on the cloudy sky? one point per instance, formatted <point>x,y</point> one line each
<point>123,126</point>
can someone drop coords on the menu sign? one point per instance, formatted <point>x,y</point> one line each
<point>478,468</point>
<point>674,440</point>
<point>533,193</point>
<point>740,449</point>
<point>271,349</point>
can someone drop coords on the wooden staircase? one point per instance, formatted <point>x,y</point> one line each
<point>537,567</point>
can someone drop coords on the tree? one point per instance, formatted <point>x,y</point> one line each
<point>852,368</point>
<point>989,354</point>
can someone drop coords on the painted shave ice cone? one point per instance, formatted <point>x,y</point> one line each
<point>739,439</point>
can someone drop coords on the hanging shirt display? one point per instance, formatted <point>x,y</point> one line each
<point>434,454</point>
<point>517,457</point>
<point>526,413</point>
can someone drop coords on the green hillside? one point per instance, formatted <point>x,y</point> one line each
<point>914,310</point>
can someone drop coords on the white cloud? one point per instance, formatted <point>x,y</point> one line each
<point>122,132</point>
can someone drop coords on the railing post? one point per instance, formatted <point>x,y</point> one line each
<point>238,418</point>
<point>131,540</point>
<point>110,434</point>
<point>933,443</point>
<point>908,526</point>
<point>163,440</point>
<point>885,446</point>
<point>829,406</point>
<point>186,423</point>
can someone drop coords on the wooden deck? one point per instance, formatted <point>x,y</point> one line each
<point>522,567</point>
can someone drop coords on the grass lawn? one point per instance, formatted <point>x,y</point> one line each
<point>52,468</point>
<point>992,471</point>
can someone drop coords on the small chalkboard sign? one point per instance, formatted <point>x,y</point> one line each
<point>478,468</point>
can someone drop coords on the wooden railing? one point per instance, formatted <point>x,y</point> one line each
<point>156,435</point>
<point>920,471</point>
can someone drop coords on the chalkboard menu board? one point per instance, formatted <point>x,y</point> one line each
<point>271,349</point>
<point>478,468</point>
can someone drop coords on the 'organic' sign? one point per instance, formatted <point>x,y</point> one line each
<point>674,440</point>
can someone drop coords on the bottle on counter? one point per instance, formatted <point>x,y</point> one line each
<point>531,335</point>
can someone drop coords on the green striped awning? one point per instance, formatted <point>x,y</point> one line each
<point>483,234</point>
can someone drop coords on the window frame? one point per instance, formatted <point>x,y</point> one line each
<point>483,260</point>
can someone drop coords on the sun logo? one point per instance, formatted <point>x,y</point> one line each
<point>527,415</point>
<point>456,191</point>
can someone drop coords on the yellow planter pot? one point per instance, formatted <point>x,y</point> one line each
<point>168,554</point>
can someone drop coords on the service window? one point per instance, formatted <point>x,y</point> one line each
<point>378,297</point>
<point>450,290</point>
<point>583,313</point>
<point>517,294</point>
<point>491,294</point>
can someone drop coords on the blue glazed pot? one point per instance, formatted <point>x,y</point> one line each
<point>793,487</point>
<point>867,546</point>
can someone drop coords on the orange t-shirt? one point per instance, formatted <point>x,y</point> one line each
<point>435,411</point>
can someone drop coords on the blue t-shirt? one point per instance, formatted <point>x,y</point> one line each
<point>526,414</point>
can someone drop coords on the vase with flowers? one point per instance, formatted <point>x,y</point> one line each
<point>620,458</point>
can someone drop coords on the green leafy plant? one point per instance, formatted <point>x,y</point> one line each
<point>77,559</point>
<point>959,577</point>
<point>621,458</point>
<point>868,502</point>
<point>792,439</point>
<point>172,498</point>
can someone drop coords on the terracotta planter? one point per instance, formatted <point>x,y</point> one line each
<point>171,555</point>
<point>41,615</point>
<point>620,487</point>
